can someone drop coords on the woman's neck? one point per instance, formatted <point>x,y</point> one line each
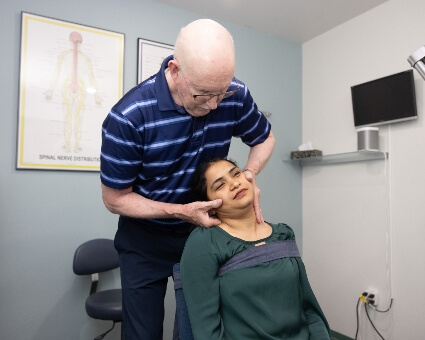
<point>247,228</point>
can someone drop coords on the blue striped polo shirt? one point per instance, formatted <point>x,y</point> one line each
<point>153,145</point>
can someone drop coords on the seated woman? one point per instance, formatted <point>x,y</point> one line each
<point>271,300</point>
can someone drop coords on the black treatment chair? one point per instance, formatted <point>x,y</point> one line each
<point>91,258</point>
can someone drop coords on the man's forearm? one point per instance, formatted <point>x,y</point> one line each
<point>260,154</point>
<point>128,203</point>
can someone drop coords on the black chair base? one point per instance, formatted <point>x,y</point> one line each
<point>101,336</point>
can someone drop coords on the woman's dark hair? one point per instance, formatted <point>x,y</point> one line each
<point>199,182</point>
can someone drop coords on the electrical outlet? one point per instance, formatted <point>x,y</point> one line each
<point>372,296</point>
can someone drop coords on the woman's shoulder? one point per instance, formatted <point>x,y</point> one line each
<point>213,241</point>
<point>284,231</point>
<point>203,235</point>
<point>202,232</point>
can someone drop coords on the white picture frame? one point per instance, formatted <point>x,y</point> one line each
<point>150,55</point>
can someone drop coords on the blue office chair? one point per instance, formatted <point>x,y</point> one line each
<point>91,258</point>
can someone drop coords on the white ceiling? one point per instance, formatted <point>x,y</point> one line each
<point>294,20</point>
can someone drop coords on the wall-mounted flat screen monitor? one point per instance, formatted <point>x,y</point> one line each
<point>385,100</point>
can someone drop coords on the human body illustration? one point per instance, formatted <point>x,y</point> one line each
<point>75,70</point>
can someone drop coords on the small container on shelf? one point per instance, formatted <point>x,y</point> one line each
<point>305,154</point>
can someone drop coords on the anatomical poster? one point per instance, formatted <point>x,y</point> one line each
<point>70,77</point>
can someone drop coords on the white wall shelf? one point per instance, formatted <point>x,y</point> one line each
<point>355,156</point>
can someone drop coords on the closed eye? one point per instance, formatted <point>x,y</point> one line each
<point>219,186</point>
<point>236,173</point>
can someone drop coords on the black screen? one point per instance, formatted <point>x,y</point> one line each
<point>385,100</point>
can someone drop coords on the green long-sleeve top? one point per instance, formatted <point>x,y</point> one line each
<point>271,300</point>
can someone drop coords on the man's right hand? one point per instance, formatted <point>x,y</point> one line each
<point>202,213</point>
<point>127,203</point>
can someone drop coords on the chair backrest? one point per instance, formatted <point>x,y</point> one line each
<point>95,256</point>
<point>184,331</point>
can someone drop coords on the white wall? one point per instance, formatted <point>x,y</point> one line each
<point>45,215</point>
<point>349,210</point>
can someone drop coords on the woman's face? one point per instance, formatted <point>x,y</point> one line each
<point>227,182</point>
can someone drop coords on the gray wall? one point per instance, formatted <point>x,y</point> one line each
<point>45,215</point>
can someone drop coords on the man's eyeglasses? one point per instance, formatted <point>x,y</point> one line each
<point>202,98</point>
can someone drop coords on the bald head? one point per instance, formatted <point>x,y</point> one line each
<point>205,47</point>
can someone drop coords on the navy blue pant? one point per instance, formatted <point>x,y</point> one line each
<point>147,255</point>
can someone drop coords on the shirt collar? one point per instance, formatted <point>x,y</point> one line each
<point>162,91</point>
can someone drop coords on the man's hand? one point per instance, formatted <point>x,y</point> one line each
<point>128,203</point>
<point>250,176</point>
<point>199,213</point>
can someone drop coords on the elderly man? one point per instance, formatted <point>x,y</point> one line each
<point>152,140</point>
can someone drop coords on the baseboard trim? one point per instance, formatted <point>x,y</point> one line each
<point>339,336</point>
